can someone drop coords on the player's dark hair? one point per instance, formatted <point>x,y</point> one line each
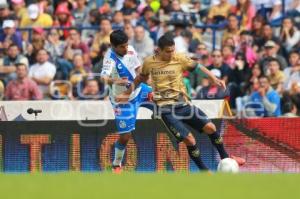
<point>118,37</point>
<point>165,41</point>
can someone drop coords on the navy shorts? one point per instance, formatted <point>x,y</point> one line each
<point>176,117</point>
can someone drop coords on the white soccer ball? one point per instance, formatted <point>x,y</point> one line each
<point>228,165</point>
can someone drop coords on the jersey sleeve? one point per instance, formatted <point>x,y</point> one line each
<point>186,62</point>
<point>108,65</point>
<point>135,60</point>
<point>145,67</point>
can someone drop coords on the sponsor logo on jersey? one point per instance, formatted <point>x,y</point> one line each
<point>166,72</point>
<point>119,66</point>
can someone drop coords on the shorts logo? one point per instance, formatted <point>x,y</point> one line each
<point>196,153</point>
<point>219,140</point>
<point>175,132</point>
<point>122,124</point>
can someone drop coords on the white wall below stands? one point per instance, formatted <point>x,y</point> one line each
<point>88,110</point>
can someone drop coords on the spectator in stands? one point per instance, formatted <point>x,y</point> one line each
<point>146,15</point>
<point>246,46</point>
<point>270,52</point>
<point>182,41</point>
<point>154,28</point>
<point>130,18</point>
<point>118,20</point>
<point>129,30</point>
<point>92,20</point>
<point>64,19</point>
<point>101,37</point>
<point>46,6</point>
<point>206,60</point>
<point>245,10</point>
<point>242,102</point>
<point>43,71</point>
<point>267,35</point>
<point>292,73</point>
<point>78,74</point>
<point>228,55</point>
<point>166,6</point>
<point>238,76</point>
<point>56,48</point>
<point>129,7</point>
<point>270,9</point>
<point>175,5</point>
<point>295,94</point>
<point>5,12</point>
<point>254,76</point>
<point>76,46</point>
<point>23,88</point>
<point>1,90</point>
<point>212,91</point>
<point>80,13</point>
<point>276,15</point>
<point>9,34</point>
<point>201,51</point>
<point>19,7</point>
<point>294,11</point>
<point>54,45</point>
<point>8,63</point>
<point>275,75</point>
<point>289,34</point>
<point>218,63</point>
<point>289,109</point>
<point>266,101</point>
<point>232,29</point>
<point>257,28</point>
<point>91,90</point>
<point>38,40</point>
<point>142,43</point>
<point>229,41</point>
<point>35,18</point>
<point>219,12</point>
<point>97,66</point>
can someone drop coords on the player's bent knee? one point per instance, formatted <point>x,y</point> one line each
<point>209,128</point>
<point>189,140</point>
<point>124,138</point>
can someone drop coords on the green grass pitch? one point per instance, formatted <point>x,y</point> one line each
<point>149,186</point>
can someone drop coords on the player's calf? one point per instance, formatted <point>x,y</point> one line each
<point>194,152</point>
<point>217,141</point>
<point>120,146</point>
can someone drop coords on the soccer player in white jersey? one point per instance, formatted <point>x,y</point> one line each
<point>120,67</point>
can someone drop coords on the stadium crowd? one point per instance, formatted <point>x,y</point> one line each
<point>53,49</point>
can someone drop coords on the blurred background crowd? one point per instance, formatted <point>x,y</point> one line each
<point>53,49</point>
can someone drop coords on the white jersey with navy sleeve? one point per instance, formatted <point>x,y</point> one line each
<point>110,63</point>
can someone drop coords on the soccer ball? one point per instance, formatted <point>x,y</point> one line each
<point>228,165</point>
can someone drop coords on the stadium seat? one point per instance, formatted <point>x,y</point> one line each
<point>60,89</point>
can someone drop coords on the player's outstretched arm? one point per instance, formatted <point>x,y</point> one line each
<point>213,77</point>
<point>111,81</point>
<point>124,97</point>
